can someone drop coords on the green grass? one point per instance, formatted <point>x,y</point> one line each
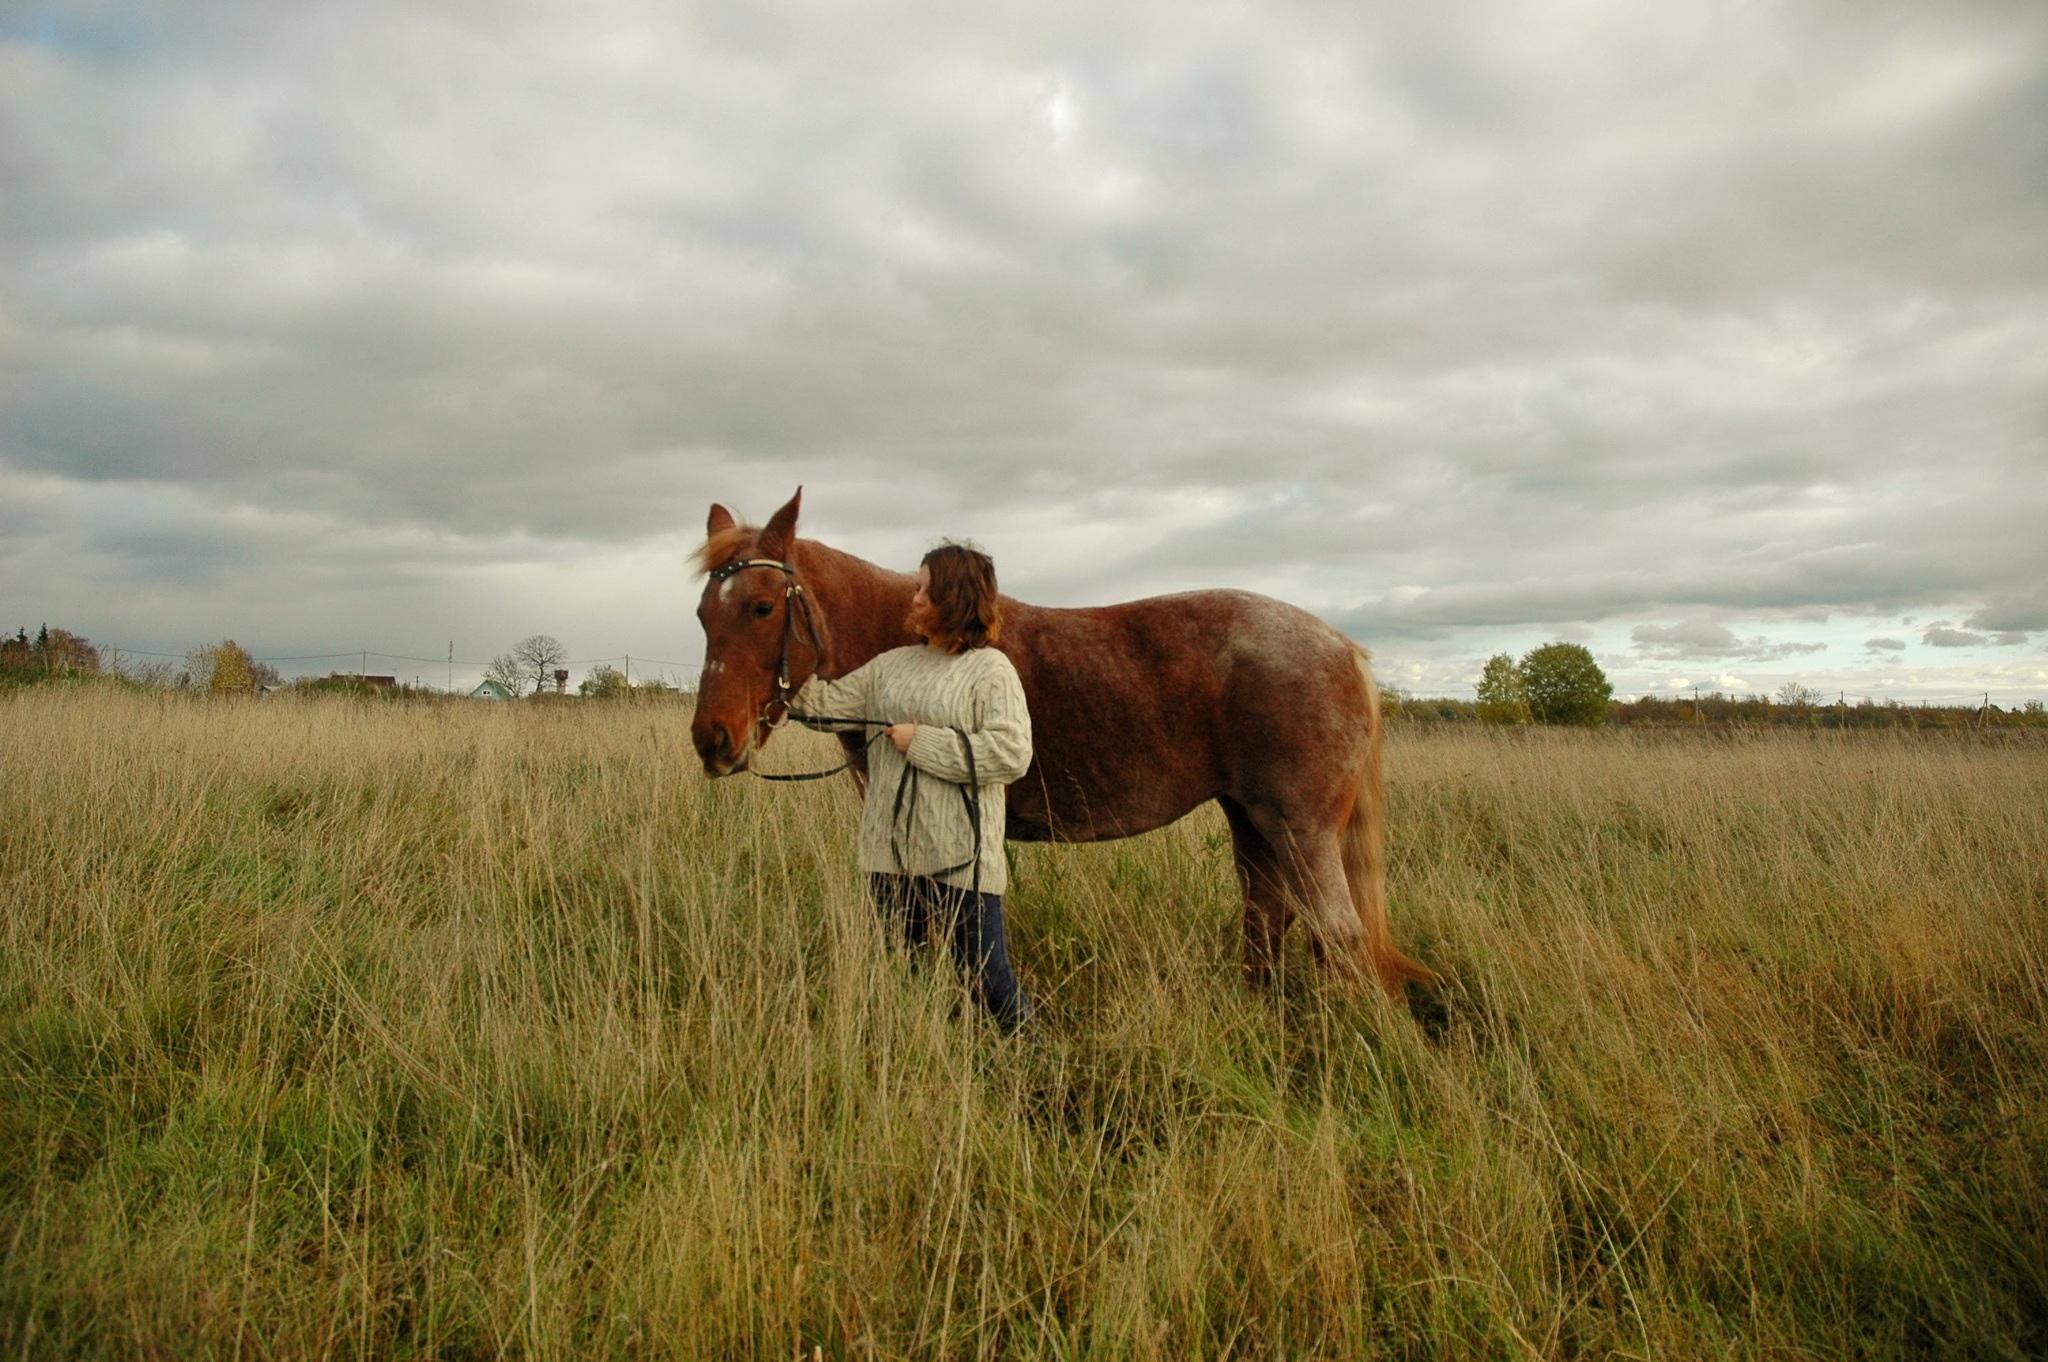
<point>338,1028</point>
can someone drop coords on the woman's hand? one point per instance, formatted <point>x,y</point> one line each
<point>901,734</point>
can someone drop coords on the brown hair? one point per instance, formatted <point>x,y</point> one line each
<point>966,612</point>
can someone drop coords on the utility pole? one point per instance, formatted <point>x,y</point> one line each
<point>451,666</point>
<point>629,671</point>
<point>365,673</point>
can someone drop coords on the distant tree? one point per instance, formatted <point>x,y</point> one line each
<point>223,667</point>
<point>18,658</point>
<point>1565,685</point>
<point>1797,696</point>
<point>226,668</point>
<point>605,682</point>
<point>154,672</point>
<point>64,653</point>
<point>1503,695</point>
<point>231,670</point>
<point>199,665</point>
<point>537,656</point>
<point>504,669</point>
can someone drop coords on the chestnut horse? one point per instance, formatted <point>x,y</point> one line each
<point>1139,713</point>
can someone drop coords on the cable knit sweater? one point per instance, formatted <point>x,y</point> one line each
<point>915,821</point>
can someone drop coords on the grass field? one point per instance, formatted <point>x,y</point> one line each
<point>356,1029</point>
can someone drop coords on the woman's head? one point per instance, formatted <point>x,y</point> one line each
<point>956,606</point>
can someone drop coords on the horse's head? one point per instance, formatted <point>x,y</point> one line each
<point>747,628</point>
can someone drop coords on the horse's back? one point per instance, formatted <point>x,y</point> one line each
<point>1144,710</point>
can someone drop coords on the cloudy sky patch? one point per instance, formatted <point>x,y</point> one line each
<point>1715,338</point>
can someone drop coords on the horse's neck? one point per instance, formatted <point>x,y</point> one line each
<point>863,606</point>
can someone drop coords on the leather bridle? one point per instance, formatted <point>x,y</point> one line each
<point>795,599</point>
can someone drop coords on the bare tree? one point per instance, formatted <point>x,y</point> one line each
<point>159,673</point>
<point>1797,696</point>
<point>504,669</point>
<point>537,657</point>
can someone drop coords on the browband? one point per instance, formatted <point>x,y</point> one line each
<point>719,574</point>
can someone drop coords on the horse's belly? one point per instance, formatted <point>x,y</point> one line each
<point>1042,807</point>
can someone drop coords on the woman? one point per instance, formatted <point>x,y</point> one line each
<point>931,830</point>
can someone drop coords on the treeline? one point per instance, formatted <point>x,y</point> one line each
<point>57,655</point>
<point>1560,683</point>
<point>1757,711</point>
<point>531,670</point>
<point>51,655</point>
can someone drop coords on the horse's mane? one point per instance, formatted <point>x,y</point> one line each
<point>723,546</point>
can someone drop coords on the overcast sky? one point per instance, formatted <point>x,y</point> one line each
<point>1714,336</point>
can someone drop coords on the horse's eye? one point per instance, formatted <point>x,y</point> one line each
<point>763,609</point>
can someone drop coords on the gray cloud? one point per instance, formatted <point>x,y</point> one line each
<point>1704,639</point>
<point>1395,314</point>
<point>2010,612</point>
<point>1943,635</point>
<point>1885,645</point>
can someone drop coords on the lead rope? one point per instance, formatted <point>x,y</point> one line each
<point>970,795</point>
<point>826,724</point>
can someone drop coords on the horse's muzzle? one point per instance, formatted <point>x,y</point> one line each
<point>715,749</point>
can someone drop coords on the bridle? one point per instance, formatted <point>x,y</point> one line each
<point>795,599</point>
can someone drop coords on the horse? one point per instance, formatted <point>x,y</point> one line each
<point>1140,712</point>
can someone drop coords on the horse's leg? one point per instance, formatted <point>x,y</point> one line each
<point>1267,906</point>
<point>1309,870</point>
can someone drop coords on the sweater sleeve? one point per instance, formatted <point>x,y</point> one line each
<point>1002,745</point>
<point>846,698</point>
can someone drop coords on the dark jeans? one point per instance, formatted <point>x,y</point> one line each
<point>915,908</point>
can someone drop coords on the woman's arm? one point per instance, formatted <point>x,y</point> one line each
<point>1002,745</point>
<point>846,698</point>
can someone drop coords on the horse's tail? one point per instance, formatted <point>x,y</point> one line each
<point>1365,845</point>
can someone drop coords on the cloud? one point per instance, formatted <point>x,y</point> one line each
<point>1706,639</point>
<point>1393,314</point>
<point>1885,645</point>
<point>1941,634</point>
<point>2011,612</point>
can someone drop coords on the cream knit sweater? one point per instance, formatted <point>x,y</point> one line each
<point>926,831</point>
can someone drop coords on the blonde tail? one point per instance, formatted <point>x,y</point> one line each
<point>1365,839</point>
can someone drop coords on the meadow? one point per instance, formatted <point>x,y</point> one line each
<point>332,1027</point>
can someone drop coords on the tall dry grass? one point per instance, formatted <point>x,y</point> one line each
<point>331,1028</point>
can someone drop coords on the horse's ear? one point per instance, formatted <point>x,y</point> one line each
<point>781,531</point>
<point>719,522</point>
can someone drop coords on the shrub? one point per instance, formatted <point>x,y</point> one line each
<point>1503,694</point>
<point>605,682</point>
<point>1565,685</point>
